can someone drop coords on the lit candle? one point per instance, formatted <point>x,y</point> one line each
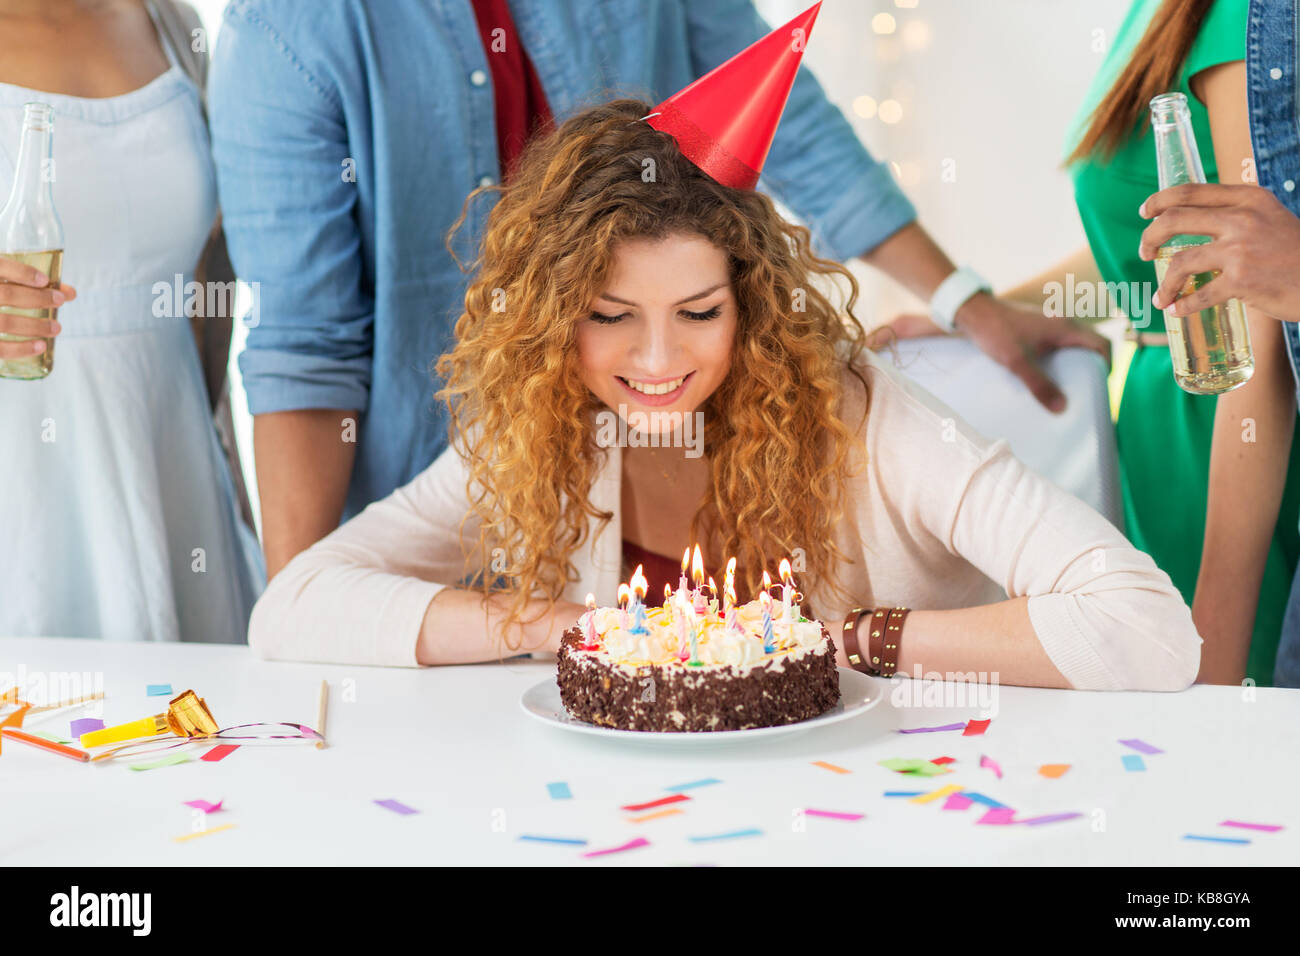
<point>624,594</point>
<point>729,588</point>
<point>697,572</point>
<point>787,596</point>
<point>713,597</point>
<point>668,597</point>
<point>765,601</point>
<point>733,619</point>
<point>590,643</point>
<point>639,585</point>
<point>686,559</point>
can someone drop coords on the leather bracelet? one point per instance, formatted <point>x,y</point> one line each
<point>850,636</point>
<point>876,638</point>
<point>892,641</point>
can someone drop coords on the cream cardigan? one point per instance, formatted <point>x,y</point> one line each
<point>941,518</point>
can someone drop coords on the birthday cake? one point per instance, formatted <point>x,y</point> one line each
<point>674,669</point>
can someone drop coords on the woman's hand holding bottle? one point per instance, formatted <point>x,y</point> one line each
<point>22,287</point>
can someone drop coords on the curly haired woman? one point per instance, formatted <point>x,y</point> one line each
<point>617,278</point>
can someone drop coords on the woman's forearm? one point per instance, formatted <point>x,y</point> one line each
<point>994,639</point>
<point>459,628</point>
<point>1249,454</point>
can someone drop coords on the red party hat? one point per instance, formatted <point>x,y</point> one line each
<point>724,121</point>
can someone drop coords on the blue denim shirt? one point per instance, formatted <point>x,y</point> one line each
<point>1273,96</point>
<point>347,134</point>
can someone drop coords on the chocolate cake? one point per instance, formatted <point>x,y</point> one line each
<point>637,672</point>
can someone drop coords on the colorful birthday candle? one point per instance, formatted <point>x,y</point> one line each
<point>765,601</point>
<point>697,572</point>
<point>590,642</point>
<point>639,585</point>
<point>729,588</point>
<point>787,596</point>
<point>681,582</point>
<point>624,593</point>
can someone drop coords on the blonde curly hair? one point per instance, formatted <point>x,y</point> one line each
<point>523,419</point>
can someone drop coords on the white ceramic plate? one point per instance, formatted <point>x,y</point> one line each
<point>858,694</point>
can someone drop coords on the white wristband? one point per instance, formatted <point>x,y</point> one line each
<point>952,293</point>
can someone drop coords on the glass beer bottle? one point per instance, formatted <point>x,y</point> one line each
<point>30,231</point>
<point>1210,348</point>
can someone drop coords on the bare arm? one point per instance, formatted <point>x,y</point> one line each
<point>1251,444</point>
<point>457,630</point>
<point>303,469</point>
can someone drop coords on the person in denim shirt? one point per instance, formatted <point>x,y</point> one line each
<point>1256,232</point>
<point>347,136</point>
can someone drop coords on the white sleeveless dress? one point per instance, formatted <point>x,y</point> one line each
<point>117,512</point>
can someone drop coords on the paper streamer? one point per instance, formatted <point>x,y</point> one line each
<point>912,765</point>
<point>980,798</point>
<point>84,725</point>
<point>733,835</point>
<point>201,833</point>
<point>706,782</point>
<point>1214,839</point>
<point>903,793</point>
<point>834,814</point>
<point>991,764</point>
<point>570,841</point>
<point>1050,818</point>
<point>998,816</point>
<point>830,766</point>
<point>662,801</point>
<point>976,727</point>
<point>161,762</point>
<point>204,805</point>
<point>219,752</point>
<point>630,845</point>
<point>932,730</point>
<point>1141,746</point>
<point>671,811</point>
<point>1053,770</point>
<point>158,690</point>
<point>559,790</point>
<point>936,794</point>
<point>957,801</point>
<point>46,735</point>
<point>1133,762</point>
<point>1267,827</point>
<point>397,807</point>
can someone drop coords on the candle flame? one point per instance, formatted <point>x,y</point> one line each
<point>624,593</point>
<point>765,600</point>
<point>767,582</point>
<point>639,583</point>
<point>785,571</point>
<point>591,601</point>
<point>686,559</point>
<point>668,593</point>
<point>697,567</point>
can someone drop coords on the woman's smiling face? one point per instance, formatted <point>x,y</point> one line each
<point>658,338</point>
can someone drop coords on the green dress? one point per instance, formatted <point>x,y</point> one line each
<point>1164,433</point>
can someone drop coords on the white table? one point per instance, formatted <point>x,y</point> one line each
<point>453,743</point>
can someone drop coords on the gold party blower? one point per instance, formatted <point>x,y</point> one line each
<point>187,716</point>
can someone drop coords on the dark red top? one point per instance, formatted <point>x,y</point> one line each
<point>657,569</point>
<point>521,106</point>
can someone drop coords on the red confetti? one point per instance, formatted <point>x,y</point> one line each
<point>219,752</point>
<point>975,727</point>
<point>663,801</point>
<point>942,760</point>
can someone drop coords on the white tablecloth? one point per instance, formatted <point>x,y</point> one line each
<point>454,744</point>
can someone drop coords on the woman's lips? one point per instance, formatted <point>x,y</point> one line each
<point>655,400</point>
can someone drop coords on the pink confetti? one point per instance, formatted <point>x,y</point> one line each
<point>1049,818</point>
<point>1267,827</point>
<point>998,816</point>
<point>957,801</point>
<point>204,805</point>
<point>991,764</point>
<point>834,815</point>
<point>631,845</point>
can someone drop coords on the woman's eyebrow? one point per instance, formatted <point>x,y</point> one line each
<point>689,298</point>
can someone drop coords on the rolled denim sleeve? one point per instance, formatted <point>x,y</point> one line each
<point>817,166</point>
<point>280,144</point>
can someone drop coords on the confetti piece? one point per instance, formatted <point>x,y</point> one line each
<point>936,794</point>
<point>1133,762</point>
<point>980,798</point>
<point>830,766</point>
<point>49,736</point>
<point>1050,818</point>
<point>397,807</point>
<point>1214,839</point>
<point>545,839</point>
<point>976,727</point>
<point>1141,746</point>
<point>204,805</point>
<point>191,836</point>
<point>158,690</point>
<point>1053,770</point>
<point>940,761</point>
<point>931,730</point>
<point>161,762</point>
<point>706,782</point>
<point>733,835</point>
<point>921,768</point>
<point>991,764</point>
<point>1267,827</point>
<point>957,801</point>
<point>219,752</point>
<point>559,790</point>
<point>655,816</point>
<point>834,814</point>
<point>84,725</point>
<point>631,845</point>
<point>662,801</point>
<point>998,816</point>
<point>903,793</point>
